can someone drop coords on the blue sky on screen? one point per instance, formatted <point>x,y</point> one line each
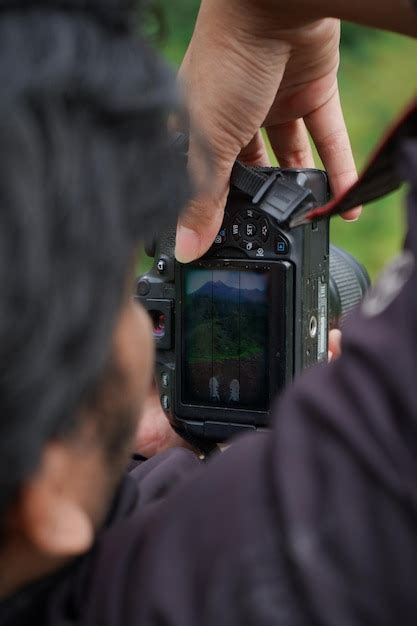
<point>196,278</point>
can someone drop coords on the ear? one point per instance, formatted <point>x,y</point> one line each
<point>49,513</point>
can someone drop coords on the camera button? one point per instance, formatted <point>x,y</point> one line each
<point>165,402</point>
<point>251,214</point>
<point>143,287</point>
<point>165,379</point>
<point>161,266</point>
<point>264,230</point>
<point>236,229</point>
<point>248,245</point>
<point>281,245</point>
<point>250,229</point>
<point>220,237</point>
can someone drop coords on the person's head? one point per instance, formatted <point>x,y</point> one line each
<point>85,172</point>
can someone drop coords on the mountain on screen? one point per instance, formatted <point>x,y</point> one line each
<point>220,291</point>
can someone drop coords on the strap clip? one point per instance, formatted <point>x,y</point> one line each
<point>286,199</point>
<point>269,181</point>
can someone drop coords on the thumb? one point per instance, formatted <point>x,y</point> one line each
<point>198,227</point>
<point>201,220</point>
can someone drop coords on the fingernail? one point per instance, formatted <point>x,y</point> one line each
<point>187,245</point>
<point>352,215</point>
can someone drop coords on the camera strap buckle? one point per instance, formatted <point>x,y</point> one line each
<point>262,191</point>
<point>277,196</point>
<point>253,181</point>
<point>286,199</point>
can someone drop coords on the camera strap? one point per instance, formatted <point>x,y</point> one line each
<point>254,181</point>
<point>381,176</point>
<point>280,197</point>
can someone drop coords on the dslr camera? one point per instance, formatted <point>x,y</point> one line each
<point>233,328</point>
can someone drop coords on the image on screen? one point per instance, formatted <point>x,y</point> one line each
<point>225,338</point>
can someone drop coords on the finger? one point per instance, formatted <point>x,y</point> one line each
<point>335,344</point>
<point>154,433</point>
<point>255,153</point>
<point>201,220</point>
<point>198,226</point>
<point>291,144</point>
<point>328,130</point>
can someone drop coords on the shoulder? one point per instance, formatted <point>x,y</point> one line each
<point>208,553</point>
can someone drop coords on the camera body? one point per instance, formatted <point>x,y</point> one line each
<point>233,328</point>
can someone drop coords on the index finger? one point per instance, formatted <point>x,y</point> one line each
<point>328,130</point>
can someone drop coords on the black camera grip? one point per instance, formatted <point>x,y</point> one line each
<point>166,243</point>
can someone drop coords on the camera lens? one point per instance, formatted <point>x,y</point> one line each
<point>348,282</point>
<point>158,323</point>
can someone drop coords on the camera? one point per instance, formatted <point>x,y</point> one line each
<point>233,328</point>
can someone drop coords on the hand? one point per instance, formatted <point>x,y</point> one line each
<point>155,433</point>
<point>335,344</point>
<point>246,68</point>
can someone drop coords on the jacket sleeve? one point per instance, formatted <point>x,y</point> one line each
<point>345,462</point>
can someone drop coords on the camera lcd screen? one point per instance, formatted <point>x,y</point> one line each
<point>225,338</point>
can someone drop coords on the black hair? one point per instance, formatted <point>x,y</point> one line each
<point>85,170</point>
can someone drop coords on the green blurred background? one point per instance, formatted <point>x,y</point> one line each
<point>378,76</point>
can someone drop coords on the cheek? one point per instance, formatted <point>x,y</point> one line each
<point>141,351</point>
<point>145,345</point>
<point>135,350</point>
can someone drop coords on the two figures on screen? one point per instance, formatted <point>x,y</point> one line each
<point>214,390</point>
